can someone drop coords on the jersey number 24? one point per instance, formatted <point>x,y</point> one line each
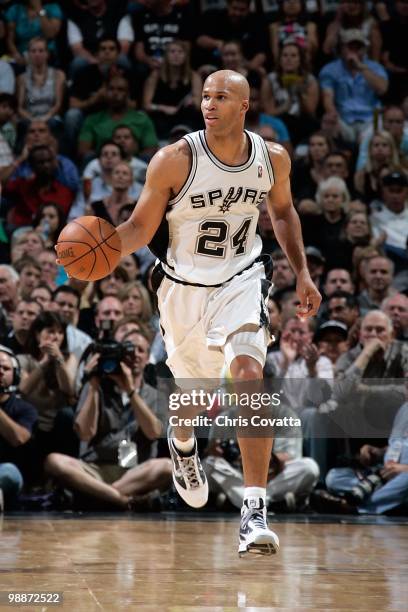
<point>213,238</point>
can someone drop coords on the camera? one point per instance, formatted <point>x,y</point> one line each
<point>111,352</point>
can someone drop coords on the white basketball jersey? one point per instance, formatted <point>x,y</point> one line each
<point>212,222</point>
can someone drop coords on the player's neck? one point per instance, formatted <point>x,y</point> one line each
<point>231,148</point>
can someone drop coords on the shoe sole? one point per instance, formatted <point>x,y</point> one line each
<point>263,546</point>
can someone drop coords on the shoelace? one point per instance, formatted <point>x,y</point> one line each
<point>190,471</point>
<point>258,519</point>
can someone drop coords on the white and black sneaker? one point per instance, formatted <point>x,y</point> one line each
<point>188,475</point>
<point>254,535</point>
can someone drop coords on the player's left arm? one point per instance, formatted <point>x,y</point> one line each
<point>288,232</point>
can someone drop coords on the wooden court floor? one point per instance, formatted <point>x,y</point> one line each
<point>167,564</point>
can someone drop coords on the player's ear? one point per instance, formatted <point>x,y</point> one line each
<point>245,105</point>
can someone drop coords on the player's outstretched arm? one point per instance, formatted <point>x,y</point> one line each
<point>288,232</point>
<point>162,177</point>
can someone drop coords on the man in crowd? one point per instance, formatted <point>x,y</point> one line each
<point>65,300</point>
<point>379,273</point>
<point>338,279</point>
<point>17,420</point>
<point>98,127</point>
<point>8,289</point>
<point>26,311</point>
<point>113,408</point>
<point>396,307</point>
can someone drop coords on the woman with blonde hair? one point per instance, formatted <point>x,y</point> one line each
<point>172,94</point>
<point>382,153</point>
<point>324,229</point>
<point>136,301</point>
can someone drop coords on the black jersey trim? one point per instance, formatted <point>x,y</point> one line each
<point>191,174</point>
<point>268,162</point>
<point>217,162</point>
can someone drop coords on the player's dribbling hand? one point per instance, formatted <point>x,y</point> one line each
<point>308,295</point>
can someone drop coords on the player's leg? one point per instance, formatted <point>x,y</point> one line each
<point>245,353</point>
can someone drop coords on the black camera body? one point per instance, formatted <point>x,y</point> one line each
<point>111,353</point>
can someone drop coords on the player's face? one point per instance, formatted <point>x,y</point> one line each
<point>221,106</point>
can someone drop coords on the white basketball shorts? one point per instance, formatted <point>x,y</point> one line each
<point>204,328</point>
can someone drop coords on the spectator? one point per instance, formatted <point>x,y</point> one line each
<point>343,307</point>
<point>331,340</point>
<point>307,173</point>
<point>131,264</point>
<point>357,234</point>
<point>336,163</point>
<point>394,31</point>
<point>323,230</point>
<point>88,89</point>
<point>49,268</point>
<point>124,137</point>
<point>97,175</point>
<point>154,26</point>
<point>235,22</point>
<point>99,127</point>
<point>89,23</point>
<point>50,220</point>
<point>172,94</point>
<point>40,89</point>
<point>8,288</point>
<point>47,380</point>
<point>112,408</point>
<point>29,271</point>
<point>294,92</point>
<point>295,26</point>
<point>316,264</point>
<point>275,321</point>
<point>136,301</point>
<point>393,123</point>
<point>7,79</point>
<point>382,153</point>
<point>38,133</point>
<point>27,195</point>
<point>390,215</point>
<point>380,482</point>
<point>26,311</point>
<point>283,275</point>
<point>43,295</point>
<point>265,228</point>
<point>8,108</point>
<point>122,190</point>
<point>396,307</point>
<point>291,477</point>
<point>65,301</point>
<point>26,242</point>
<point>356,406</point>
<point>107,309</point>
<point>299,363</point>
<point>29,20</point>
<point>352,84</point>
<point>378,276</point>
<point>338,279</point>
<point>353,15</point>
<point>256,119</point>
<point>17,420</point>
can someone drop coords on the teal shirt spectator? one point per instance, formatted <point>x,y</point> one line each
<point>27,28</point>
<point>277,125</point>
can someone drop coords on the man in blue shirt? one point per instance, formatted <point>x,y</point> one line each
<point>352,85</point>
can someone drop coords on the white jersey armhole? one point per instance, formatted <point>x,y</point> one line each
<point>191,174</point>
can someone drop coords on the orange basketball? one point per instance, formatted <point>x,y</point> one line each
<point>89,248</point>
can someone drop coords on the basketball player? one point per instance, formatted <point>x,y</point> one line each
<point>204,192</point>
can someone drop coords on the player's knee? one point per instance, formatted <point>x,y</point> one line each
<point>54,464</point>
<point>246,368</point>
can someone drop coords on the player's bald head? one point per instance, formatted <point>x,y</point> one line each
<point>228,80</point>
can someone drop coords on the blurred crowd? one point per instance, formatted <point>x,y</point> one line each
<point>89,91</point>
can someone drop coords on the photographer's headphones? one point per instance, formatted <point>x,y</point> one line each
<point>16,370</point>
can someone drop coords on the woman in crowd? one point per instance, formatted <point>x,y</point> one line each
<point>110,206</point>
<point>172,94</point>
<point>47,381</point>
<point>382,153</point>
<point>136,301</point>
<point>131,263</point>
<point>26,242</point>
<point>30,19</point>
<point>111,284</point>
<point>294,92</point>
<point>293,25</point>
<point>50,220</point>
<point>40,89</point>
<point>232,58</point>
<point>356,233</point>
<point>324,230</point>
<point>353,14</point>
<point>308,172</point>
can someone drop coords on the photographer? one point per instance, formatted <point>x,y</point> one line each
<point>17,419</point>
<point>116,405</point>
